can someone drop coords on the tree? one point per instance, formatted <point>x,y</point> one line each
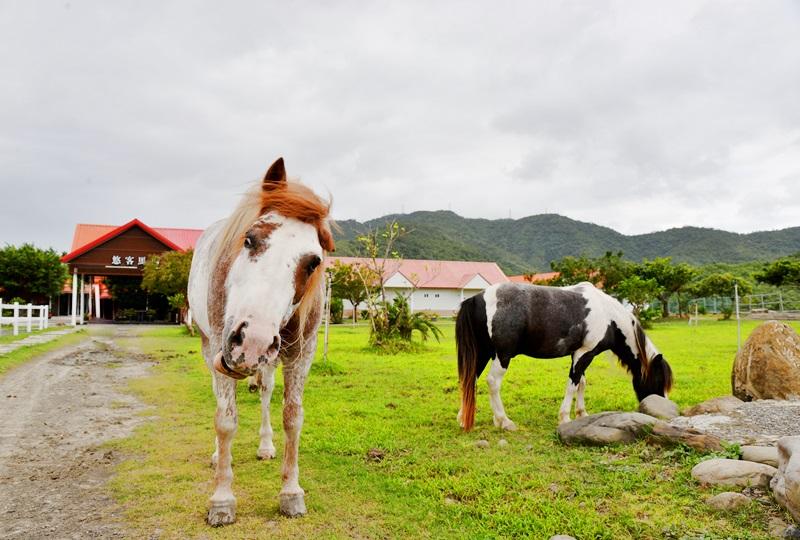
<point>31,273</point>
<point>638,291</point>
<point>168,274</point>
<point>785,271</point>
<point>353,282</point>
<point>671,278</point>
<point>721,284</point>
<point>605,272</point>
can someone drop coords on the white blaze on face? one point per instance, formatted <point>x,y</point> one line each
<point>261,282</point>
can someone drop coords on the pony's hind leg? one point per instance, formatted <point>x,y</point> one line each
<point>266,383</point>
<point>222,509</point>
<point>495,380</point>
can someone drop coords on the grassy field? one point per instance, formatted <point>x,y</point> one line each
<point>433,482</point>
<point>23,354</point>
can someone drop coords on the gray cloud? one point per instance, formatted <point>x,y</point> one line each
<point>635,115</point>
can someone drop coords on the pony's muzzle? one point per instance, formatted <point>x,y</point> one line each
<point>247,347</point>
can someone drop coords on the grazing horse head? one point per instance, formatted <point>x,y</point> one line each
<point>267,271</point>
<point>652,375</point>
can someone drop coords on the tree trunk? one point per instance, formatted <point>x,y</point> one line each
<point>664,306</point>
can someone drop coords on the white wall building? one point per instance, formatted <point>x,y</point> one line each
<point>434,286</point>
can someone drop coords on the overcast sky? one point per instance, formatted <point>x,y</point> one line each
<point>635,115</point>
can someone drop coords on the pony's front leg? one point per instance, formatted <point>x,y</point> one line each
<point>580,404</point>
<point>266,448</point>
<point>566,405</point>
<point>292,496</point>
<point>222,509</point>
<point>494,380</point>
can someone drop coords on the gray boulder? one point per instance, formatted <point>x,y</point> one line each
<point>718,405</point>
<point>606,428</point>
<point>733,472</point>
<point>728,500</point>
<point>767,455</point>
<point>786,482</point>
<point>658,406</point>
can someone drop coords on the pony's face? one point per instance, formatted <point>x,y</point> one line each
<point>658,380</point>
<point>266,282</point>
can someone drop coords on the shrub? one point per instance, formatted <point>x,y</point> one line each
<point>337,310</point>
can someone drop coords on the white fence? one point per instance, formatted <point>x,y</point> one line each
<point>22,316</point>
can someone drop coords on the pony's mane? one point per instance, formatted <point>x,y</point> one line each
<point>292,200</point>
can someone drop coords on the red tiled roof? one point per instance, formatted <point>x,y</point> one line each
<point>434,274</point>
<point>88,235</point>
<point>534,278</point>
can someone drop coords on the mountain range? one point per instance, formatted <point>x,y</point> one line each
<point>529,244</point>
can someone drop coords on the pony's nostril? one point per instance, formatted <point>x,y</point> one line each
<point>276,344</point>
<point>237,336</point>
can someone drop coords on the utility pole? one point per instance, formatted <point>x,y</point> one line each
<point>738,319</point>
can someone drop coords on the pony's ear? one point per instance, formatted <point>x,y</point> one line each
<point>276,172</point>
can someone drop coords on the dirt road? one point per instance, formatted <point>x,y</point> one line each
<point>55,413</point>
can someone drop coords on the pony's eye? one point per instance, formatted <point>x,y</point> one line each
<point>312,265</point>
<point>248,242</point>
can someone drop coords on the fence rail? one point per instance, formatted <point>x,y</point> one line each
<point>21,315</point>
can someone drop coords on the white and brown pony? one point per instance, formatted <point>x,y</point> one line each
<point>550,322</point>
<point>256,291</point>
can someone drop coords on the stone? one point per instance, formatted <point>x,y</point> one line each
<point>665,434</point>
<point>792,533</point>
<point>728,500</point>
<point>761,454</point>
<point>606,428</point>
<point>733,472</point>
<point>768,366</point>
<point>502,443</point>
<point>776,527</point>
<point>659,406</point>
<point>785,484</point>
<point>482,443</point>
<point>717,405</point>
<point>562,537</point>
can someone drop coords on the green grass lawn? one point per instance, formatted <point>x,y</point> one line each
<point>433,482</point>
<point>23,354</point>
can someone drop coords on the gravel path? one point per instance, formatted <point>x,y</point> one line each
<point>58,410</point>
<point>756,422</point>
<point>36,339</point>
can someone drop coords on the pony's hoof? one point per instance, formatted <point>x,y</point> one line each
<point>266,452</point>
<point>214,460</point>
<point>508,425</point>
<point>222,513</point>
<point>563,419</point>
<point>581,414</point>
<point>293,504</point>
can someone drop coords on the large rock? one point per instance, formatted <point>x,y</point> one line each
<point>658,406</point>
<point>786,482</point>
<point>717,405</point>
<point>670,435</point>
<point>767,455</point>
<point>606,428</point>
<point>768,366</point>
<point>733,472</point>
<point>728,500</point>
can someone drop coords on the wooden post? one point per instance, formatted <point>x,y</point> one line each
<point>327,316</point>
<point>780,300</point>
<point>96,300</point>
<point>47,316</point>
<point>83,298</point>
<point>29,320</point>
<point>738,319</point>
<point>75,297</point>
<point>16,318</point>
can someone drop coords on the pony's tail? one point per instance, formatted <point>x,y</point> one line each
<point>467,347</point>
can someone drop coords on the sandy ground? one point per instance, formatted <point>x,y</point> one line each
<point>57,411</point>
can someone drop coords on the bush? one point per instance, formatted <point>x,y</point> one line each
<point>337,310</point>
<point>726,312</point>
<point>394,324</point>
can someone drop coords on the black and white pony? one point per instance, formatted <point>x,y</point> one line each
<point>550,322</point>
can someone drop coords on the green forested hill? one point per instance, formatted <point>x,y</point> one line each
<point>530,243</point>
